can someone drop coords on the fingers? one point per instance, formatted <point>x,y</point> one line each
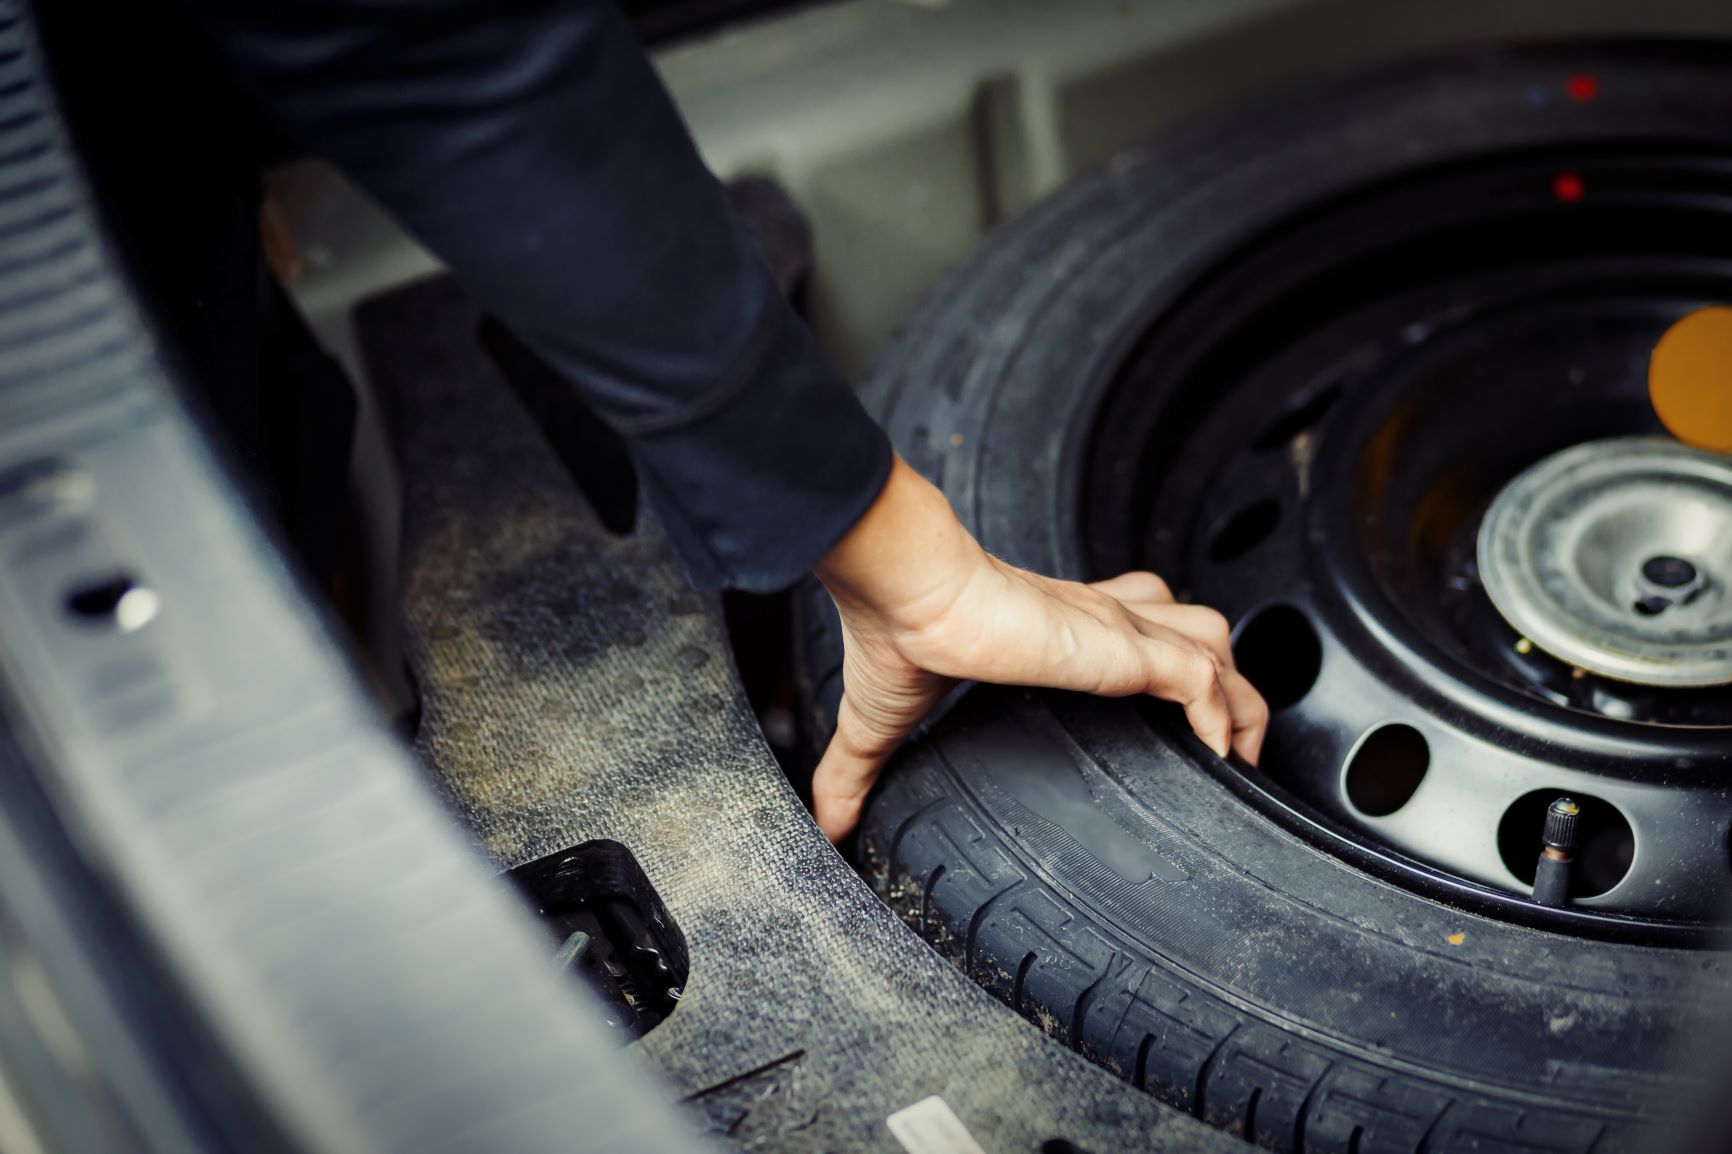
<point>845,774</point>
<point>1136,586</point>
<point>1187,673</point>
<point>1151,598</point>
<point>1207,628</point>
<point>1201,624</point>
<point>1250,715</point>
<point>1154,645</point>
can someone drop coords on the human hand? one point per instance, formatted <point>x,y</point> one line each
<point>923,606</point>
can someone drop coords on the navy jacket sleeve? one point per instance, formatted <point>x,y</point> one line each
<point>530,145</point>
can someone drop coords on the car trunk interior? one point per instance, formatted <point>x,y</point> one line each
<point>564,682</point>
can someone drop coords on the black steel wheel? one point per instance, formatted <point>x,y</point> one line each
<point>1289,357</point>
<point>1310,443</point>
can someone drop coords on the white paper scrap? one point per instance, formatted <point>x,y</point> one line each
<point>932,1127</point>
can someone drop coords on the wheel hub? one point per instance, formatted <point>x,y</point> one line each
<point>1613,556</point>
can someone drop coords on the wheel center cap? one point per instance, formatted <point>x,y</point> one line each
<point>1616,556</point>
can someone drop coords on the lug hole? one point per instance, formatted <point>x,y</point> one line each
<point>1244,530</point>
<point>1278,652</point>
<point>1386,768</point>
<point>1605,843</point>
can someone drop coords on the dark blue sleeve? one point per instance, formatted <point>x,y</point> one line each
<point>530,145</point>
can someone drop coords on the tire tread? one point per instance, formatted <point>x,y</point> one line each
<point>933,859</point>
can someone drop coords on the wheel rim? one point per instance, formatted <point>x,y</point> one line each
<point>1310,440</point>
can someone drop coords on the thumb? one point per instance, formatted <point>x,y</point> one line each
<point>866,735</point>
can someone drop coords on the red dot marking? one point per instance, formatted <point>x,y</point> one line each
<point>1567,187</point>
<point>1582,87</point>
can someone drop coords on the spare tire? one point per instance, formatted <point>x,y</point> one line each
<point>1199,928</point>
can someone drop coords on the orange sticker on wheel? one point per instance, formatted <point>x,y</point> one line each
<point>1690,379</point>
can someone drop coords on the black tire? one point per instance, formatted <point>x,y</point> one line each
<point>1077,856</point>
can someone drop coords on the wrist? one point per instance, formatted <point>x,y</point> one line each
<point>908,557</point>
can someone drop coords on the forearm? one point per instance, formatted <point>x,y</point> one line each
<point>533,149</point>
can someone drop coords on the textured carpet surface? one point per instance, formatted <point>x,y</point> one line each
<point>575,686</point>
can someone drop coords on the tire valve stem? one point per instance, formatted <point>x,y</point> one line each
<point>1552,876</point>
